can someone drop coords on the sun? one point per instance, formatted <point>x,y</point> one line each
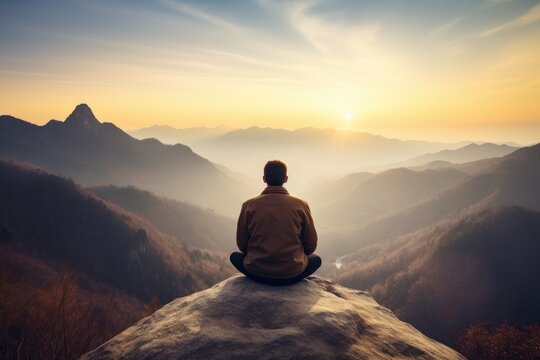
<point>347,116</point>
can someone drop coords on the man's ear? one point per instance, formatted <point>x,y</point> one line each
<point>264,179</point>
<point>286,178</point>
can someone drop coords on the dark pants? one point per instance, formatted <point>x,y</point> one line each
<point>314,262</point>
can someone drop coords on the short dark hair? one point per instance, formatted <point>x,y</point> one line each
<point>275,172</point>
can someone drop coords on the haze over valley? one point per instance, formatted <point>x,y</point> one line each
<point>312,154</point>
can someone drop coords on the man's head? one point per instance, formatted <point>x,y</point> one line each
<point>275,173</point>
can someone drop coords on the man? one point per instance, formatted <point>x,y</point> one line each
<point>276,234</point>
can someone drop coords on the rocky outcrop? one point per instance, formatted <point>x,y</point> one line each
<point>83,117</point>
<point>241,319</point>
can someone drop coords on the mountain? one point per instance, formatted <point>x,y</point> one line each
<point>170,135</point>
<point>310,153</point>
<point>83,117</point>
<point>95,153</point>
<point>75,270</point>
<point>468,153</point>
<point>326,192</point>
<point>482,268</point>
<point>191,224</point>
<point>386,192</point>
<point>511,181</point>
<point>52,219</point>
<point>240,319</point>
<point>469,168</point>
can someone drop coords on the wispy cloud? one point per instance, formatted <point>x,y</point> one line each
<point>329,34</point>
<point>498,2</point>
<point>530,17</point>
<point>447,26</point>
<point>199,14</point>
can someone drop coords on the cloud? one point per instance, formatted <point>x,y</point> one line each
<point>447,26</point>
<point>199,14</point>
<point>530,17</point>
<point>498,2</point>
<point>331,36</point>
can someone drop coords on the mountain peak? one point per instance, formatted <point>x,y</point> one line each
<point>83,116</point>
<point>241,319</point>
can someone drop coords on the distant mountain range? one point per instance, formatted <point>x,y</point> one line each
<point>327,192</point>
<point>314,154</point>
<point>385,192</point>
<point>170,135</point>
<point>468,153</point>
<point>467,167</point>
<point>512,180</point>
<point>310,153</point>
<point>95,153</point>
<point>332,194</point>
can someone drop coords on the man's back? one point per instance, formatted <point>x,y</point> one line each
<point>276,231</point>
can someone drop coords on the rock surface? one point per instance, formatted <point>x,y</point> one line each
<point>241,319</point>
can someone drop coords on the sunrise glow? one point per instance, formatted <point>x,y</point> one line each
<point>462,71</point>
<point>347,116</point>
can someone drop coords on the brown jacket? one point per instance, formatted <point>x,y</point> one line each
<point>276,231</point>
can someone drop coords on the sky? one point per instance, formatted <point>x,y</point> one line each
<point>417,69</point>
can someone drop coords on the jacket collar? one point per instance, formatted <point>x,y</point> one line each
<point>275,190</point>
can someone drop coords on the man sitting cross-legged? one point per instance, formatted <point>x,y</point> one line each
<point>276,234</point>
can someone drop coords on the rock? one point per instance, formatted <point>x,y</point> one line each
<point>241,319</point>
